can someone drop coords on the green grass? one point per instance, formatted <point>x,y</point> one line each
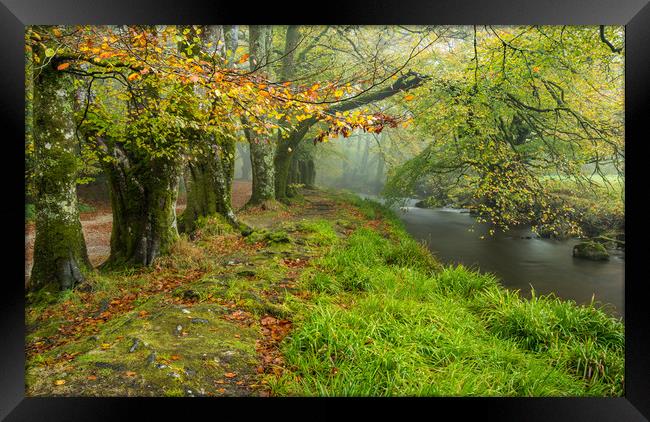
<point>387,320</point>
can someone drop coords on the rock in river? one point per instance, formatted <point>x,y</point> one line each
<point>590,250</point>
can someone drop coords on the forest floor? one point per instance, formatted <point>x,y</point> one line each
<point>206,321</point>
<point>327,296</point>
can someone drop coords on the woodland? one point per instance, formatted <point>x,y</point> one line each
<point>216,210</point>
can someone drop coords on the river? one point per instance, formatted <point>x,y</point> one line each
<point>518,258</point>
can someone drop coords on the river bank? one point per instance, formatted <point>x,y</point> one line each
<point>329,296</point>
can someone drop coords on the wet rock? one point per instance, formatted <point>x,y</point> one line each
<point>227,356</point>
<point>151,358</point>
<point>161,366</point>
<point>103,307</point>
<point>191,295</point>
<point>593,251</point>
<point>113,366</point>
<point>85,287</point>
<point>199,321</point>
<point>136,343</point>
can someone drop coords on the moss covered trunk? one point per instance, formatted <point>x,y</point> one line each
<point>261,148</point>
<point>209,185</point>
<point>59,248</point>
<point>143,197</point>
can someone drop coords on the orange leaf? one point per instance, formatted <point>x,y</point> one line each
<point>133,76</point>
<point>244,58</point>
<point>59,382</point>
<point>409,97</point>
<point>92,377</point>
<point>130,373</point>
<point>174,357</point>
<point>63,66</point>
<point>230,375</point>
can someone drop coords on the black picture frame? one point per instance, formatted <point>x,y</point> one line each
<point>16,14</point>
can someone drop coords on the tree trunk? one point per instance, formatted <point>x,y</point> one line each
<point>209,187</point>
<point>262,150</point>
<point>59,248</point>
<point>143,199</point>
<point>379,176</point>
<point>246,161</point>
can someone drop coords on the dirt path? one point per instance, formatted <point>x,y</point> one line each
<point>97,225</point>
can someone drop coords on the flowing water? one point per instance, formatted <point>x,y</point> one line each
<point>518,258</point>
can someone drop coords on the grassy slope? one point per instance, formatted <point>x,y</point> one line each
<point>328,297</point>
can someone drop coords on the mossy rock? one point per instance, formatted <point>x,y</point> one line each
<point>590,250</point>
<point>263,235</point>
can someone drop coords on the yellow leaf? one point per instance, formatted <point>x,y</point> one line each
<point>409,97</point>
<point>338,93</point>
<point>133,76</point>
<point>63,66</point>
<point>130,373</point>
<point>106,345</point>
<point>56,32</point>
<point>59,382</point>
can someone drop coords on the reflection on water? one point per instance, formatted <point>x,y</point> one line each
<point>520,260</point>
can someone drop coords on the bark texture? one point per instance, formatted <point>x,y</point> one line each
<point>59,248</point>
<point>143,198</point>
<point>262,150</point>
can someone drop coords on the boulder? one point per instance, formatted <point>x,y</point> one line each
<point>590,250</point>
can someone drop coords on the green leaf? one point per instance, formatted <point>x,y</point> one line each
<point>49,52</point>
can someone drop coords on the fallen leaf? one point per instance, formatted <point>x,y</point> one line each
<point>130,373</point>
<point>59,382</point>
<point>230,375</point>
<point>92,377</point>
<point>174,357</point>
<point>63,66</point>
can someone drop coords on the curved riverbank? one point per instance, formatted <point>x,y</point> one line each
<point>519,258</point>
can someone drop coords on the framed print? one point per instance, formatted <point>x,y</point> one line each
<point>373,204</point>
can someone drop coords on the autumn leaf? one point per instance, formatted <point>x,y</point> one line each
<point>338,93</point>
<point>59,382</point>
<point>230,375</point>
<point>91,377</point>
<point>244,58</point>
<point>56,32</point>
<point>130,373</point>
<point>174,357</point>
<point>133,76</point>
<point>63,66</point>
<point>106,346</point>
<point>409,97</point>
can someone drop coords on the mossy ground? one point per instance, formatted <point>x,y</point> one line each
<point>118,334</point>
<point>328,296</point>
